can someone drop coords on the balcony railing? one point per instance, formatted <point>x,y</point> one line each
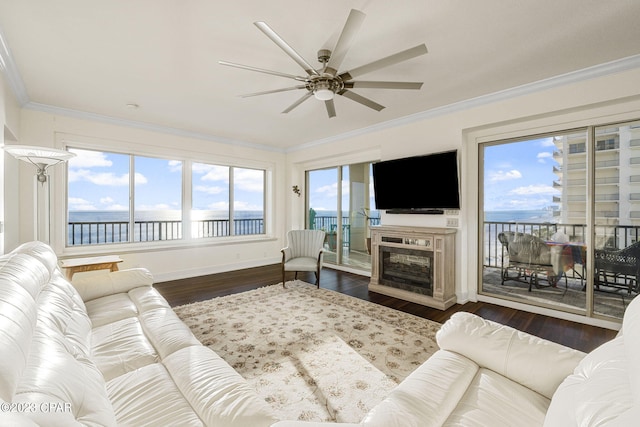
<point>330,224</point>
<point>606,236</point>
<point>93,233</point>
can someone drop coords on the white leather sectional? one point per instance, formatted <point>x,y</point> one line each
<point>110,351</point>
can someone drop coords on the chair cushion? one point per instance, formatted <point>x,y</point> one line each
<point>301,264</point>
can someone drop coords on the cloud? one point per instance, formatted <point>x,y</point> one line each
<point>534,189</point>
<point>209,189</point>
<point>117,207</point>
<point>79,204</point>
<point>211,172</point>
<point>504,176</point>
<point>219,206</point>
<point>249,180</point>
<point>240,205</point>
<point>105,178</point>
<point>543,156</point>
<point>175,166</point>
<point>88,159</point>
<point>547,142</point>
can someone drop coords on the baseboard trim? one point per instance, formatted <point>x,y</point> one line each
<point>214,269</point>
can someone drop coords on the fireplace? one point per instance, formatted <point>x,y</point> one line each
<point>406,268</point>
<point>415,264</point>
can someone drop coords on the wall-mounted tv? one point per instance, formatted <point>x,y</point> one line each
<point>419,184</point>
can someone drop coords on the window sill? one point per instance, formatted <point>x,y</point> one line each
<point>166,245</point>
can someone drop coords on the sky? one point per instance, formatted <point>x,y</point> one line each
<point>99,181</point>
<point>519,176</point>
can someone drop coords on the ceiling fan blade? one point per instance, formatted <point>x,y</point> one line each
<point>273,91</point>
<point>298,102</point>
<point>385,62</point>
<point>262,70</point>
<point>262,26</point>
<point>351,27</point>
<point>331,108</point>
<point>383,85</point>
<point>361,99</point>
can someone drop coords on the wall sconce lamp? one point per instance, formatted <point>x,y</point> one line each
<point>42,158</point>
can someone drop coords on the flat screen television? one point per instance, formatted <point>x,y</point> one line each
<point>419,184</point>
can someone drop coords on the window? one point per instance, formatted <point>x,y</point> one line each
<point>215,189</point>
<point>124,198</point>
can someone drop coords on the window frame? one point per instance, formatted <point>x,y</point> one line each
<point>61,196</point>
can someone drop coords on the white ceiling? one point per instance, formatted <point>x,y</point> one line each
<point>79,56</point>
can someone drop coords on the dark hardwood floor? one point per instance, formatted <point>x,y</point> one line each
<point>575,335</point>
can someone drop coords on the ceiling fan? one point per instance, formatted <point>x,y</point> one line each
<point>326,82</point>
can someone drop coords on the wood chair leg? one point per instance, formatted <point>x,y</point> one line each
<point>283,278</point>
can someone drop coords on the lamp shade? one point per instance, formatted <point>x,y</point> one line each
<point>38,155</point>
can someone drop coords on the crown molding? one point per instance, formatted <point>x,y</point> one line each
<point>10,71</point>
<point>51,109</point>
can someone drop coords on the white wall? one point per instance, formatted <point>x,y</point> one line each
<point>168,260</point>
<point>557,107</point>
<point>9,188</point>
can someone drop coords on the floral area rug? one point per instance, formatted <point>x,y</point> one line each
<point>313,354</point>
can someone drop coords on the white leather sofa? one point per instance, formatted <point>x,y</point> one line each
<point>491,375</point>
<point>111,352</point>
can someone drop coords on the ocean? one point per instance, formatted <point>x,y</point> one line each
<point>537,216</point>
<point>165,215</point>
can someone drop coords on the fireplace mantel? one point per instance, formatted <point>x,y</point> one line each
<point>438,245</point>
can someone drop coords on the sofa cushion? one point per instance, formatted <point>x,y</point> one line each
<point>110,309</point>
<point>517,355</point>
<point>191,387</point>
<point>121,347</point>
<point>494,400</point>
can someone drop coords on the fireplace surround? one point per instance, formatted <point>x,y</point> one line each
<point>415,264</point>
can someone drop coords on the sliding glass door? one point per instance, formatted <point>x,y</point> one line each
<point>340,202</point>
<point>550,203</point>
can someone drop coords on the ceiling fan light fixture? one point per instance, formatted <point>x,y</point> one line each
<point>323,90</point>
<point>323,94</point>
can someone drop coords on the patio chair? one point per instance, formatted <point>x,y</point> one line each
<point>618,269</point>
<point>529,256</point>
<point>304,253</point>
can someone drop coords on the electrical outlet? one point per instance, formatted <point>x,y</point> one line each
<point>451,212</point>
<point>452,222</point>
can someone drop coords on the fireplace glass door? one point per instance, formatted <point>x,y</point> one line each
<point>407,269</point>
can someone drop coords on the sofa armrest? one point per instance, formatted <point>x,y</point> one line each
<point>108,283</point>
<point>536,363</point>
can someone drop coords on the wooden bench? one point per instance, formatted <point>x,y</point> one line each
<point>79,265</point>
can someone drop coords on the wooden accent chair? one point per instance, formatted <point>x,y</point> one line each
<point>304,252</point>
